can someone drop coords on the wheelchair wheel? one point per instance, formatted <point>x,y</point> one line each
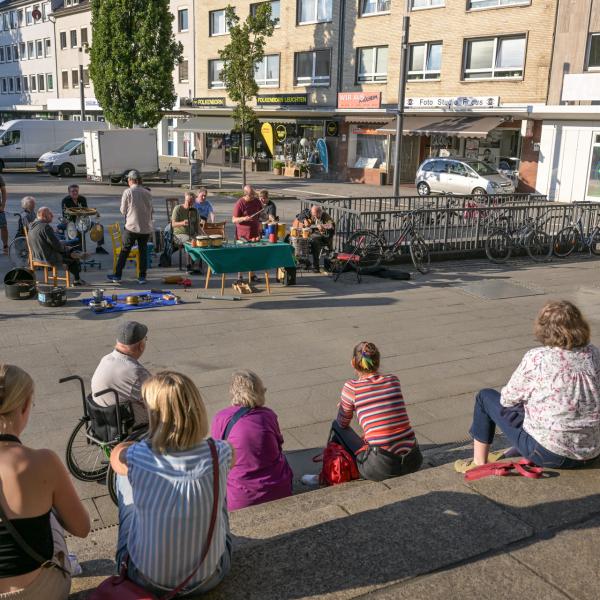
<point>86,460</point>
<point>111,484</point>
<point>19,253</point>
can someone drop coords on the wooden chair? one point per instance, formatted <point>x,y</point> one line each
<point>47,267</point>
<point>117,245</point>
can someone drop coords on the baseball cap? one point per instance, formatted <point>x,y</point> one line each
<point>131,332</point>
<point>134,174</point>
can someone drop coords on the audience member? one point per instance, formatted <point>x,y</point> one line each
<point>550,408</point>
<point>27,215</point>
<point>204,207</point>
<point>269,209</point>
<point>166,493</point>
<point>389,448</point>
<point>261,472</point>
<point>122,371</point>
<point>36,494</point>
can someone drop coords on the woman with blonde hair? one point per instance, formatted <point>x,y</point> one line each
<point>37,499</point>
<point>167,494</point>
<point>261,472</point>
<point>550,408</point>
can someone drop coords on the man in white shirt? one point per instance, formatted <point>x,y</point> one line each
<point>122,371</point>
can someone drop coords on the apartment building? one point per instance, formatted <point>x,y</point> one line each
<point>27,59</point>
<point>331,70</point>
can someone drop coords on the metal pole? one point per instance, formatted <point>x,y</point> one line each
<point>81,92</point>
<point>401,96</point>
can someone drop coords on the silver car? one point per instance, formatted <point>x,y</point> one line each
<point>460,176</point>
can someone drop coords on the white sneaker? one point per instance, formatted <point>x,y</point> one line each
<point>310,479</point>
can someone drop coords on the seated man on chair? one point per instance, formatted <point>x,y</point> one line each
<point>46,247</point>
<point>186,223</point>
<point>322,231</point>
<point>122,371</point>
<point>26,216</point>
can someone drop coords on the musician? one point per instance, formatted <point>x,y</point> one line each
<point>247,214</point>
<point>204,207</point>
<point>186,223</point>
<point>322,227</point>
<point>269,209</point>
<point>46,247</point>
<point>75,200</point>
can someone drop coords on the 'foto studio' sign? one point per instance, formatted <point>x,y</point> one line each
<point>359,100</point>
<point>456,102</point>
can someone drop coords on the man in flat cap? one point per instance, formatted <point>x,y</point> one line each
<point>122,371</point>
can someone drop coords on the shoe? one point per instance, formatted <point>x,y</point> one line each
<point>114,278</point>
<point>141,280</point>
<point>79,282</point>
<point>101,250</point>
<point>462,465</point>
<point>316,270</point>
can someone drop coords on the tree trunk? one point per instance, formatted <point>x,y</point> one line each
<point>243,154</point>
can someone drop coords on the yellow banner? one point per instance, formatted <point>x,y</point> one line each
<point>267,133</point>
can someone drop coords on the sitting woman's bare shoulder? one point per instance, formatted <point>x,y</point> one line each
<point>43,458</point>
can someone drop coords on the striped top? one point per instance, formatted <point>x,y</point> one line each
<point>380,410</point>
<point>173,497</point>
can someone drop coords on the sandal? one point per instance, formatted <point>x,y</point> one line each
<point>462,465</point>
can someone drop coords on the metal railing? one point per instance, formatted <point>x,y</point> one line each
<point>453,224</point>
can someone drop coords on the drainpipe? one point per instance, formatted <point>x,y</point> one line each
<point>341,35</point>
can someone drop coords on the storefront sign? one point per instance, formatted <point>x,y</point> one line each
<point>359,100</point>
<point>202,102</point>
<point>281,133</point>
<point>454,102</point>
<point>282,99</point>
<point>266,129</point>
<point>331,128</point>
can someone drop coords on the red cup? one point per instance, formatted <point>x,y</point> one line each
<point>273,238</point>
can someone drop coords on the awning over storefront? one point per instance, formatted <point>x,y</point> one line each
<point>466,127</point>
<point>208,124</point>
<point>360,119</point>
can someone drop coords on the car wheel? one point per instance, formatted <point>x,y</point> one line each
<point>66,170</point>
<point>479,192</point>
<point>423,189</point>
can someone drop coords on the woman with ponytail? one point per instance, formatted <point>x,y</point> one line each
<point>389,448</point>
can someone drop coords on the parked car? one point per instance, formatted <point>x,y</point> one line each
<point>65,161</point>
<point>460,176</point>
<point>509,166</point>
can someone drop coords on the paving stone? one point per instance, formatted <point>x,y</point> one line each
<point>106,509</point>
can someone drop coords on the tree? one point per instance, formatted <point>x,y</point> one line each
<point>245,50</point>
<point>132,58</point>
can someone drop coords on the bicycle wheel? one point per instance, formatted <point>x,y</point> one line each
<point>498,246</point>
<point>595,242</point>
<point>419,253</point>
<point>86,460</point>
<point>539,245</point>
<point>111,484</point>
<point>565,241</point>
<point>18,252</point>
<point>368,247</point>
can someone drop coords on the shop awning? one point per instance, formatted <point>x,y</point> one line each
<point>466,127</point>
<point>360,119</point>
<point>208,124</point>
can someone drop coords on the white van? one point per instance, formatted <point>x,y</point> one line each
<point>66,161</point>
<point>23,141</point>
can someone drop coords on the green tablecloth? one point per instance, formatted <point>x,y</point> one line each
<point>234,258</point>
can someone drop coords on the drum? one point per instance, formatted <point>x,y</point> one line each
<point>306,233</point>
<point>216,241</point>
<point>51,296</point>
<point>281,230</point>
<point>301,247</point>
<point>202,241</point>
<point>294,232</point>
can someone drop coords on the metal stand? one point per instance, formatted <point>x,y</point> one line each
<point>84,224</point>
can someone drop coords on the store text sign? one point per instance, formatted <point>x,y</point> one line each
<point>359,100</point>
<point>282,99</point>
<point>454,102</point>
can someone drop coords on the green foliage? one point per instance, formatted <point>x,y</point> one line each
<point>132,58</point>
<point>278,164</point>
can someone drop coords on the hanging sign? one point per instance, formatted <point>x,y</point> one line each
<point>331,128</point>
<point>266,129</point>
<point>281,133</point>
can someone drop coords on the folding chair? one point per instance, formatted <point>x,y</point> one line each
<point>117,245</point>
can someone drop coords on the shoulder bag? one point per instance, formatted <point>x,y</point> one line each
<point>120,587</point>
<point>237,415</point>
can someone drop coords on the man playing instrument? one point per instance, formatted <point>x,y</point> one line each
<point>186,223</point>
<point>322,230</point>
<point>75,200</point>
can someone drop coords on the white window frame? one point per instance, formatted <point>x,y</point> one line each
<point>429,4</point>
<point>49,80</point>
<point>315,80</point>
<point>29,16</point>
<point>60,34</point>
<point>39,53</point>
<point>31,46</point>
<point>7,53</point>
<point>588,52</point>
<point>20,17</point>
<point>214,84</point>
<point>187,79</point>
<point>6,21</point>
<point>46,10</point>
<point>11,85</point>
<point>380,10</point>
<point>3,85</point>
<point>211,31</point>
<point>87,36</point>
<point>265,82</point>
<point>47,47</point>
<point>493,69</point>
<point>75,78</point>
<point>18,85</point>
<point>42,79</point>
<point>71,32</point>
<point>15,52</point>
<point>276,20</point>
<point>14,24</point>
<point>485,4</point>
<point>33,80</point>
<point>179,11</point>
<point>22,51</point>
<point>62,79</point>
<point>372,76</point>
<point>316,15</point>
<point>25,83</point>
<point>2,54</point>
<point>422,74</point>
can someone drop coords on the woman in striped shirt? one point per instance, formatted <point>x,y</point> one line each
<point>166,493</point>
<point>389,447</point>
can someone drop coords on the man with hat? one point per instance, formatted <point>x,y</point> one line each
<point>136,207</point>
<point>122,371</point>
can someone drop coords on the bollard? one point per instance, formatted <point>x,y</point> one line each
<point>220,178</point>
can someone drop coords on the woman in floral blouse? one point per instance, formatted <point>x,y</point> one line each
<point>550,408</point>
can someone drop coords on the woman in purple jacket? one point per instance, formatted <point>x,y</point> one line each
<point>261,472</point>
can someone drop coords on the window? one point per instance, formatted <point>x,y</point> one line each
<point>593,189</point>
<point>593,60</point>
<point>41,83</point>
<point>267,71</point>
<point>47,47</point>
<point>32,83</point>
<point>373,7</point>
<point>426,3</point>
<point>65,80</point>
<point>49,82</point>
<point>182,19</point>
<point>63,40</point>
<point>4,90</point>
<point>84,36</point>
<point>314,11</point>
<point>218,24</point>
<point>371,64</point>
<point>493,3</point>
<point>18,84</point>
<point>29,15</point>
<point>214,71</point>
<point>425,61</point>
<point>20,19</point>
<point>13,19</point>
<point>39,47</point>
<point>8,53</point>
<point>313,68</point>
<point>86,77</point>
<point>183,71</point>
<point>11,85</point>
<point>73,36</point>
<point>30,50</point>
<point>501,57</point>
<point>275,10</point>
<point>6,21</point>
<point>46,10</point>
<point>25,83</point>
<point>22,51</point>
<point>16,52</point>
<point>75,77</point>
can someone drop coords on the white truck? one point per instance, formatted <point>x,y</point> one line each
<point>22,141</point>
<point>111,154</point>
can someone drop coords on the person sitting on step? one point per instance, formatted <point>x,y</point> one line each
<point>550,408</point>
<point>389,448</point>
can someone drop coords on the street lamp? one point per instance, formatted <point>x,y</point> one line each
<point>401,96</point>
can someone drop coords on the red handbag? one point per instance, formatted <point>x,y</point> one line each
<point>522,467</point>
<point>119,587</point>
<point>339,466</point>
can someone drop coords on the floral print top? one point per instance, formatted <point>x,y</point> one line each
<point>560,392</point>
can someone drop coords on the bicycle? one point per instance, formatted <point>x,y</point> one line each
<point>18,252</point>
<point>372,248</point>
<point>573,236</point>
<point>501,240</point>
